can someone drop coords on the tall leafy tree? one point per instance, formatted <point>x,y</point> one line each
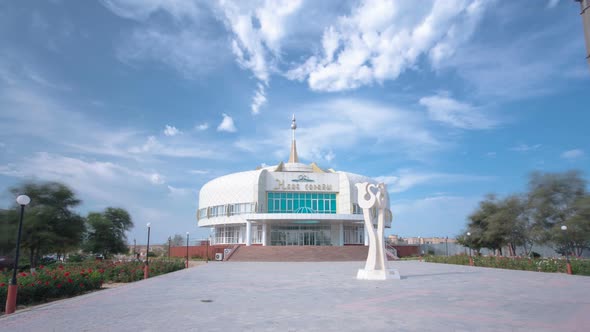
<point>50,225</point>
<point>552,200</point>
<point>107,229</point>
<point>576,238</point>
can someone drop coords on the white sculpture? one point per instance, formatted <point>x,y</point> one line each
<point>375,196</point>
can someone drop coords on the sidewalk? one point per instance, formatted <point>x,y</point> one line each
<point>226,296</point>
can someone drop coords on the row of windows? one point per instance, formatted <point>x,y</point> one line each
<point>294,202</point>
<point>226,210</point>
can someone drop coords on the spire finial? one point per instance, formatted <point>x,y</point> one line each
<point>293,156</point>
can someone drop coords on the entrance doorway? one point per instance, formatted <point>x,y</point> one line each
<point>300,235</point>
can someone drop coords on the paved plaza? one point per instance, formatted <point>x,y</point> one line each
<point>226,296</point>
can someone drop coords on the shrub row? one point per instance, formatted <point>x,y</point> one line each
<point>579,266</point>
<point>70,279</point>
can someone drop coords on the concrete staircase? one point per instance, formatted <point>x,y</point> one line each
<point>299,254</point>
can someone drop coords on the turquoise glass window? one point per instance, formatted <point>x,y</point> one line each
<point>301,202</point>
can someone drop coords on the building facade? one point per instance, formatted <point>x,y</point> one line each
<point>287,204</point>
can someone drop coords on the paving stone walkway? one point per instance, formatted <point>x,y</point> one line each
<point>244,296</point>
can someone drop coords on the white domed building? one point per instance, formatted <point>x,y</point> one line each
<point>290,204</point>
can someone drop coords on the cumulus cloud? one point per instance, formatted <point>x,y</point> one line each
<point>257,32</point>
<point>171,131</point>
<point>572,154</point>
<point>451,112</point>
<point>382,38</point>
<point>227,124</point>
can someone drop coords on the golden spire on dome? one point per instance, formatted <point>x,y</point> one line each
<point>293,155</point>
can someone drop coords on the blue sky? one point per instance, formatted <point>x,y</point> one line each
<point>137,104</point>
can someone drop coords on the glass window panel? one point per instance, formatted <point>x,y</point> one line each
<point>321,206</point>
<point>283,195</point>
<point>289,206</point>
<point>314,196</point>
<point>289,195</point>
<point>283,205</point>
<point>295,204</point>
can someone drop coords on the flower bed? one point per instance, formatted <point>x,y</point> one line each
<point>579,266</point>
<point>66,280</point>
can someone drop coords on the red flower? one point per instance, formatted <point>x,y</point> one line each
<point>82,285</point>
<point>2,284</point>
<point>101,270</point>
<point>89,270</point>
<point>32,284</point>
<point>47,283</point>
<point>70,280</point>
<point>41,267</point>
<point>23,274</point>
<point>58,286</point>
<point>66,274</point>
<point>61,267</point>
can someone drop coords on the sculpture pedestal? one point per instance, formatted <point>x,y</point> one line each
<point>363,274</point>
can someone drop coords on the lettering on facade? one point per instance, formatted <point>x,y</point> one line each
<point>281,185</point>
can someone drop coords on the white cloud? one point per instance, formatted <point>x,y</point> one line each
<point>198,171</point>
<point>97,179</point>
<point>227,124</point>
<point>259,99</point>
<point>258,30</point>
<point>454,113</point>
<point>382,38</point>
<point>572,154</point>
<point>406,179</point>
<point>525,147</point>
<point>202,126</point>
<point>187,51</point>
<point>365,124</point>
<point>156,178</point>
<point>171,131</point>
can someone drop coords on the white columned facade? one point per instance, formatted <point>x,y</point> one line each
<point>264,229</point>
<point>366,237</point>
<point>341,234</point>
<point>248,232</point>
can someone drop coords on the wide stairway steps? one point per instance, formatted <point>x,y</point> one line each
<point>299,254</point>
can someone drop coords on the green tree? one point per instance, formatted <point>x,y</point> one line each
<point>509,224</point>
<point>552,201</point>
<point>178,240</point>
<point>577,236</point>
<point>106,233</point>
<point>49,225</point>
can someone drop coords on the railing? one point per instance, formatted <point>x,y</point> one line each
<point>390,250</point>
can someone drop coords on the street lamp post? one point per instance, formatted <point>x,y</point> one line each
<point>134,249</point>
<point>169,241</point>
<point>567,249</point>
<point>146,269</point>
<point>187,250</point>
<point>22,200</point>
<point>469,245</point>
<point>447,245</point>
